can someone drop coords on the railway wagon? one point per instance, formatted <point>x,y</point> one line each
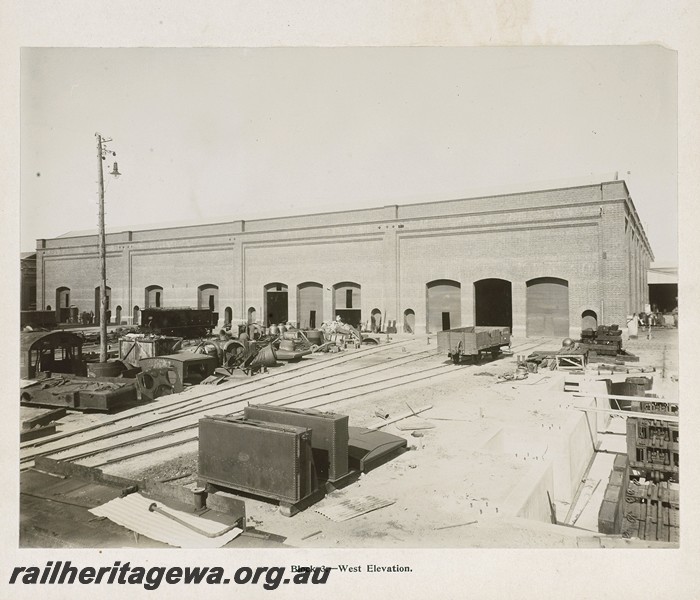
<point>38,319</point>
<point>182,322</point>
<point>471,342</point>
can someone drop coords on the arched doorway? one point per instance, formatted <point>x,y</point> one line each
<point>118,315</point>
<point>376,318</point>
<point>347,302</point>
<point>108,291</point>
<point>208,297</point>
<point>276,303</point>
<point>251,315</point>
<point>309,305</point>
<point>443,304</point>
<point>589,320</point>
<point>409,321</point>
<point>547,307</point>
<point>136,316</point>
<point>228,315</point>
<point>154,296</point>
<point>63,304</point>
<point>493,303</point>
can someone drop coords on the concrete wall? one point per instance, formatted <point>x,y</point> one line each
<point>576,234</point>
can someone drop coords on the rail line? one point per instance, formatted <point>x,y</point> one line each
<point>245,396</point>
<point>444,369</point>
<point>227,403</point>
<point>189,409</point>
<point>320,364</point>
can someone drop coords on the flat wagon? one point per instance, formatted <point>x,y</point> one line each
<point>472,342</point>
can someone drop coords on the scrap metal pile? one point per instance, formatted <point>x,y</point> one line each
<point>642,496</point>
<point>594,346</point>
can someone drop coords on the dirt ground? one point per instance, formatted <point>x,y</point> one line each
<point>450,487</point>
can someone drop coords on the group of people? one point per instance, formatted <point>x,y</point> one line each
<point>87,318</point>
<point>650,319</point>
<point>646,321</point>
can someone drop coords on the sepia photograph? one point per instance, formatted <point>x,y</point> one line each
<point>326,298</point>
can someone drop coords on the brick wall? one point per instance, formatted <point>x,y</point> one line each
<point>576,234</point>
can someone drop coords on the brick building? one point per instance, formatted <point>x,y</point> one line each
<point>545,263</point>
<point>27,268</point>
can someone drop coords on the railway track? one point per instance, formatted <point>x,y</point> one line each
<point>217,398</point>
<point>189,417</point>
<point>175,424</point>
<point>195,394</point>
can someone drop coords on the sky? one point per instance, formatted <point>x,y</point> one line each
<point>207,135</point>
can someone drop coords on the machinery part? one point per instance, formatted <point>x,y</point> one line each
<point>329,440</point>
<point>80,393</point>
<point>286,345</point>
<point>234,353</point>
<point>157,382</point>
<point>200,498</point>
<point>266,357</point>
<point>154,508</point>
<point>315,336</point>
<point>258,457</point>
<point>210,349</point>
<point>457,354</point>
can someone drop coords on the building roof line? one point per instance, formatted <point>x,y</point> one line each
<point>243,222</point>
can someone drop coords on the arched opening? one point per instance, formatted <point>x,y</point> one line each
<point>48,307</point>
<point>108,291</point>
<point>347,302</point>
<point>62,304</point>
<point>228,315</point>
<point>589,320</point>
<point>118,315</point>
<point>376,320</point>
<point>547,307</point>
<point>251,315</point>
<point>309,305</point>
<point>409,321</point>
<point>276,303</point>
<point>154,296</point>
<point>443,304</point>
<point>493,303</point>
<point>208,297</point>
<point>136,315</point>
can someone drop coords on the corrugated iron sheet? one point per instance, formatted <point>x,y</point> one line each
<point>132,512</point>
<point>353,507</point>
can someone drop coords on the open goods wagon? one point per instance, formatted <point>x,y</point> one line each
<point>472,341</point>
<point>181,322</point>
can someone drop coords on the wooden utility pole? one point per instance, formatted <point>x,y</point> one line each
<point>103,254</point>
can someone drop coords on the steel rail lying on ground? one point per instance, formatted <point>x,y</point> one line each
<point>336,359</point>
<point>197,399</point>
<point>446,369</point>
<point>219,403</point>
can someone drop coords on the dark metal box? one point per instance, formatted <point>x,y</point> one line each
<point>80,393</point>
<point>329,440</point>
<point>191,368</point>
<point>266,459</point>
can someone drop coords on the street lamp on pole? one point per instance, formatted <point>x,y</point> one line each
<point>102,153</point>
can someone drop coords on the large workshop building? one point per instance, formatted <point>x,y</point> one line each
<point>544,263</point>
